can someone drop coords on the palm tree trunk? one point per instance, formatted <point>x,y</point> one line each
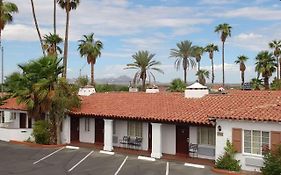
<point>92,74</point>
<point>213,73</point>
<point>66,40</point>
<point>185,69</point>
<point>242,77</point>
<point>55,24</point>
<point>266,82</point>
<point>2,64</point>
<point>198,65</point>
<point>185,74</point>
<point>37,27</point>
<point>223,63</point>
<point>143,84</point>
<point>279,60</point>
<point>58,132</point>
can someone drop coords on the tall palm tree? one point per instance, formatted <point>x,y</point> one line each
<point>183,54</point>
<point>202,75</point>
<point>265,65</point>
<point>55,16</point>
<point>198,52</point>
<point>225,31</point>
<point>91,49</point>
<point>256,83</point>
<point>276,45</point>
<point>51,43</point>
<point>37,27</point>
<point>67,5</point>
<point>144,63</point>
<point>241,61</point>
<point>7,9</point>
<point>211,48</point>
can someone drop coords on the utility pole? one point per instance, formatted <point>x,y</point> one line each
<point>2,70</point>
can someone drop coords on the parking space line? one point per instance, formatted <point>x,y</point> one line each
<point>80,161</point>
<point>121,166</point>
<point>194,165</point>
<point>167,168</point>
<point>48,155</point>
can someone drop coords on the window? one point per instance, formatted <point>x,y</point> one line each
<point>2,118</point>
<point>206,135</point>
<point>13,116</point>
<point>255,141</point>
<point>114,127</point>
<point>87,124</point>
<point>134,129</point>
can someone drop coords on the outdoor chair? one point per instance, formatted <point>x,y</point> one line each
<point>125,140</point>
<point>193,149</point>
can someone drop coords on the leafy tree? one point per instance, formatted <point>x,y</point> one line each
<point>67,5</point>
<point>241,61</point>
<point>276,84</point>
<point>256,83</point>
<point>265,65</point>
<point>227,161</point>
<point>225,31</point>
<point>276,45</point>
<point>82,81</point>
<point>111,88</point>
<point>41,132</point>
<point>202,75</point>
<point>183,54</point>
<point>51,43</point>
<point>37,27</point>
<point>211,48</point>
<point>272,162</point>
<point>177,85</point>
<point>198,52</point>
<point>144,63</point>
<point>90,49</point>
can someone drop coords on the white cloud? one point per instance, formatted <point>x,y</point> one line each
<point>218,2</point>
<point>248,36</point>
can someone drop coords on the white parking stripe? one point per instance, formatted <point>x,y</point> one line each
<point>121,166</point>
<point>48,155</point>
<point>167,168</point>
<point>194,165</point>
<point>80,161</point>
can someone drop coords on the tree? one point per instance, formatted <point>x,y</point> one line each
<point>256,83</point>
<point>37,26</point>
<point>82,81</point>
<point>225,31</point>
<point>202,75</point>
<point>177,85</point>
<point>144,63</point>
<point>211,48</point>
<point>276,45</point>
<point>51,43</point>
<point>91,49</point>
<point>67,5</point>
<point>272,162</point>
<point>241,61</point>
<point>183,54</point>
<point>198,52</point>
<point>55,16</point>
<point>265,65</point>
<point>7,9</point>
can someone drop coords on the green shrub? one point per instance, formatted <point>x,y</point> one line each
<point>272,162</point>
<point>177,85</point>
<point>227,160</point>
<point>276,84</point>
<point>111,87</point>
<point>41,132</point>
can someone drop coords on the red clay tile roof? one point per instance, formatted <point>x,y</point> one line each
<point>173,107</point>
<point>11,104</point>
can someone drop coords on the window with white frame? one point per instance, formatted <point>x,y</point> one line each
<point>206,136</point>
<point>255,141</point>
<point>134,128</point>
<point>13,116</point>
<point>87,124</point>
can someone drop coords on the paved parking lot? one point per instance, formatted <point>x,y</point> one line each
<point>23,160</point>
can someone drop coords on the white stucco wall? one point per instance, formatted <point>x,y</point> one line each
<point>15,134</point>
<point>227,126</point>
<point>169,139</point>
<point>65,134</point>
<point>87,136</point>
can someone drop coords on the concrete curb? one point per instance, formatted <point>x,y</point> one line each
<point>35,144</point>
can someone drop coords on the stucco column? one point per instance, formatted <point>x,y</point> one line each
<point>108,133</point>
<point>156,150</point>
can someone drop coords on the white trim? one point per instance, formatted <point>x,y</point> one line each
<point>72,147</point>
<point>194,165</point>
<point>107,152</point>
<point>146,158</point>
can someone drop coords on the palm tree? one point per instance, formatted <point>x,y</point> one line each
<point>91,49</point>
<point>144,63</point>
<point>177,85</point>
<point>37,27</point>
<point>211,48</point>
<point>7,10</point>
<point>265,65</point>
<point>198,52</point>
<point>67,5</point>
<point>183,54</point>
<point>225,31</point>
<point>276,45</point>
<point>55,16</point>
<point>241,61</point>
<point>256,83</point>
<point>51,43</point>
<point>202,75</point>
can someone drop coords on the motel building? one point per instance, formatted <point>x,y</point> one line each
<point>195,123</point>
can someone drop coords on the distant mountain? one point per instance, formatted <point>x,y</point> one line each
<point>118,80</point>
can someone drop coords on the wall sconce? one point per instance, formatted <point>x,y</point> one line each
<point>219,128</point>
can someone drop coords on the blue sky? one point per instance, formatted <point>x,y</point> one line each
<point>126,26</point>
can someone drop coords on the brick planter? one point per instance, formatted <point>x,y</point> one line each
<point>35,144</point>
<point>226,172</point>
